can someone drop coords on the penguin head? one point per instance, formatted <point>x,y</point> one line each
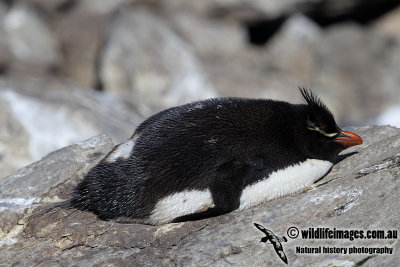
<point>321,135</point>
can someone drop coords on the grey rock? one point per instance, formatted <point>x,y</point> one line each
<point>250,9</point>
<point>78,27</point>
<point>81,34</point>
<point>343,199</point>
<point>148,63</point>
<point>89,6</point>
<point>29,37</point>
<point>390,116</point>
<point>210,37</point>
<point>389,25</point>
<point>51,5</point>
<point>98,7</point>
<point>13,142</point>
<point>39,117</point>
<point>292,49</point>
<point>78,158</point>
<point>5,53</point>
<point>44,181</point>
<point>355,83</point>
<point>353,67</point>
<point>331,61</point>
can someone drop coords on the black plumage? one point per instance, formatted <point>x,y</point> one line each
<point>221,145</point>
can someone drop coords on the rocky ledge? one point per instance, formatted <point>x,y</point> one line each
<point>360,193</point>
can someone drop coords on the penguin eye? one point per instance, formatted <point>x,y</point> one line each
<point>313,127</point>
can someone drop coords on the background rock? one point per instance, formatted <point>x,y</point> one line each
<point>359,193</point>
<point>14,141</point>
<point>40,118</point>
<point>150,64</point>
<point>29,37</point>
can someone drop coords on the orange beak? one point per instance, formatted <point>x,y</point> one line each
<point>348,139</point>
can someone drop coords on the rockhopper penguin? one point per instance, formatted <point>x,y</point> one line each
<point>212,157</point>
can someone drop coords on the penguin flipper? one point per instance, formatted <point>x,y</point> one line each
<point>226,189</point>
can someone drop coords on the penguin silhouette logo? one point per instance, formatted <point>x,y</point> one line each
<point>274,240</point>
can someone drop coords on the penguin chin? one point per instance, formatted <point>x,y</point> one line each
<point>323,150</point>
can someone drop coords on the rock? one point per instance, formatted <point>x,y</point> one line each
<point>78,159</point>
<point>149,64</point>
<point>34,116</point>
<point>41,186</point>
<point>357,85</point>
<point>30,39</point>
<point>233,67</point>
<point>303,53</point>
<point>292,50</point>
<point>81,34</point>
<point>52,5</point>
<point>386,28</point>
<point>78,27</point>
<point>5,54</point>
<point>389,116</point>
<point>210,37</point>
<point>389,25</point>
<point>360,193</point>
<point>327,10</point>
<point>97,7</point>
<point>13,141</point>
<point>245,9</point>
<point>40,117</point>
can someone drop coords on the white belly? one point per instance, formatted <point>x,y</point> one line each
<point>283,182</point>
<point>179,204</point>
<point>278,184</point>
